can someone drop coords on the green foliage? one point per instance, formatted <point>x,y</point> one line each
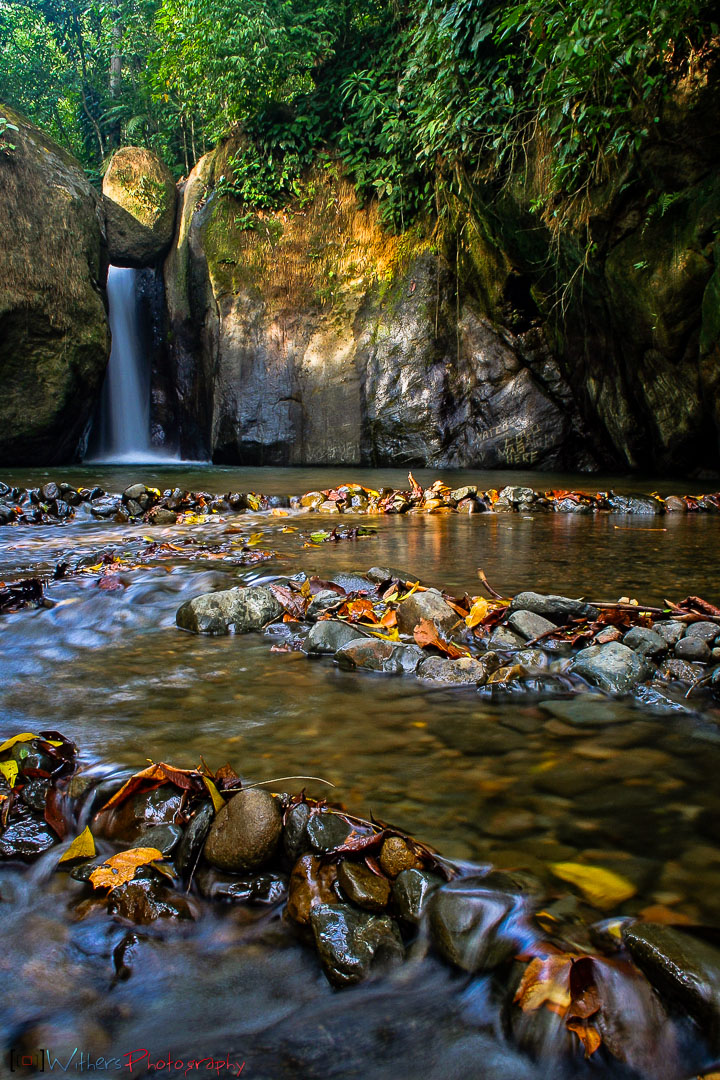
<point>6,147</point>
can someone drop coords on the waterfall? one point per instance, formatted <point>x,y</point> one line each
<point>123,424</point>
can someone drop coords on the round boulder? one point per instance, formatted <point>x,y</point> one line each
<point>139,201</point>
<point>246,832</point>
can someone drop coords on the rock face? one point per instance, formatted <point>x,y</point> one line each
<point>139,202</point>
<point>315,338</point>
<point>54,339</point>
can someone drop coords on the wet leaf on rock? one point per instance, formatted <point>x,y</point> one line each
<point>217,799</point>
<point>121,868</point>
<point>157,774</point>
<point>426,636</point>
<point>82,847</point>
<point>9,770</point>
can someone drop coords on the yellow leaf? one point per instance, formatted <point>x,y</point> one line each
<point>305,588</point>
<point>603,888</point>
<point>254,539</point>
<point>288,529</point>
<point>392,636</point>
<point>278,512</point>
<point>82,847</point>
<point>217,799</point>
<point>25,737</point>
<point>477,612</point>
<point>253,500</point>
<point>121,868</point>
<point>9,770</point>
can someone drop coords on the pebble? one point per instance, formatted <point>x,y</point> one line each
<point>246,832</point>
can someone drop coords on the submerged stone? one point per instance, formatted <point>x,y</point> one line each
<point>330,635</point>
<point>248,889</point>
<point>475,927</point>
<point>466,671</point>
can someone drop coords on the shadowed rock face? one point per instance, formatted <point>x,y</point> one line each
<point>139,202</point>
<point>54,340</point>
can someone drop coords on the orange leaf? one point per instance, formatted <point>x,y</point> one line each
<point>588,1035</point>
<point>389,618</point>
<point>120,868</point>
<point>546,982</point>
<point>426,635</point>
<point>355,610</point>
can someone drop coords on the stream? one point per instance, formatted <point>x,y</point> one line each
<point>483,778</point>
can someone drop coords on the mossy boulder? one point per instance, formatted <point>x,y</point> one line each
<point>54,339</point>
<point>139,200</point>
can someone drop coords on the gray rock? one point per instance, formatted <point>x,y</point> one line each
<point>466,671</point>
<point>353,583</point>
<point>330,635</point>
<point>645,642</point>
<point>320,602</point>
<point>531,658</point>
<point>669,629</point>
<point>194,837</point>
<point>504,638</point>
<point>362,886</point>
<point>377,574</point>
<point>411,891</point>
<point>473,926</point>
<point>351,943</point>
<point>635,504</point>
<point>613,667</point>
<point>706,631</point>
<point>371,653</point>
<point>681,967</point>
<point>681,670</point>
<point>326,831</point>
<point>588,710</point>
<point>235,888</point>
<point>693,649</point>
<point>245,833</point>
<point>425,605</point>
<point>163,837</point>
<point>556,608</point>
<point>408,657</point>
<point>529,625</point>
<point>295,839</point>
<point>245,609</point>
<point>24,837</point>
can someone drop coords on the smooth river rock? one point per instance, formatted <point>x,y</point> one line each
<point>244,610</point>
<point>425,605</point>
<point>613,667</point>
<point>350,943</point>
<point>246,832</point>
<point>330,635</point>
<point>555,608</point>
<point>474,926</point>
<point>466,671</point>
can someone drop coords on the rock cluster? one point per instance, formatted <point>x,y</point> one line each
<point>55,502</point>
<point>532,643</point>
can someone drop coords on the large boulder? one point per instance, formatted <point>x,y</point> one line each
<point>139,200</point>
<point>54,339</point>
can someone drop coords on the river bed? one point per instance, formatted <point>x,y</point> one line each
<point>482,779</point>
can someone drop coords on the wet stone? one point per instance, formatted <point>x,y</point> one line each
<point>425,605</point>
<point>233,888</point>
<point>396,855</point>
<point>320,603</point>
<point>555,608</point>
<point>693,649</point>
<point>529,625</point>
<point>645,642</point>
<point>370,653</point>
<point>327,831</point>
<point>362,886</point>
<point>142,902</point>
<point>25,837</point>
<point>295,840</point>
<point>475,927</point>
<point>681,670</point>
<point>163,837</point>
<point>34,794</point>
<point>312,882</point>
<point>193,838</point>
<point>634,504</point>
<point>682,968</point>
<point>246,610</point>
<point>614,667</point>
<point>504,638</point>
<point>246,832</point>
<point>706,631</point>
<point>408,658</point>
<point>669,629</point>
<point>589,710</point>
<point>330,635</point>
<point>352,943</point>
<point>411,891</point>
<point>465,671</point>
<point>131,817</point>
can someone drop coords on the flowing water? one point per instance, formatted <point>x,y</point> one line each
<point>485,779</point>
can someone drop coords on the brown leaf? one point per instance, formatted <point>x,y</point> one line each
<point>426,636</point>
<point>588,1035</point>
<point>357,610</point>
<point>155,776</point>
<point>293,603</point>
<point>416,492</point>
<point>121,868</point>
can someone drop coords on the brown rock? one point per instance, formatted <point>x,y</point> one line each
<point>311,884</point>
<point>139,201</point>
<point>246,832</point>
<point>396,856</point>
<point>364,888</point>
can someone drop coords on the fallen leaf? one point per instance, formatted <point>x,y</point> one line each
<point>9,770</point>
<point>546,981</point>
<point>121,868</point>
<point>26,736</point>
<point>588,1035</point>
<point>217,799</point>
<point>426,636</point>
<point>478,611</point>
<point>603,888</point>
<point>82,847</point>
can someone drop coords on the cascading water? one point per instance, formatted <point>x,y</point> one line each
<point>123,425</point>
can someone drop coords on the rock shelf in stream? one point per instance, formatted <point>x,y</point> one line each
<point>544,645</point>
<point>172,845</point>
<point>54,503</point>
